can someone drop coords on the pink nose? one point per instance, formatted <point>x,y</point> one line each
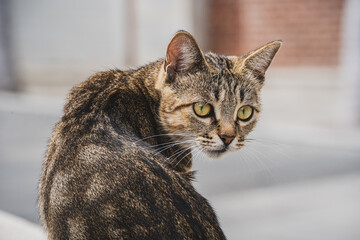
<point>226,139</point>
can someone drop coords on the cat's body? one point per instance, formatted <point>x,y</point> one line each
<point>113,170</point>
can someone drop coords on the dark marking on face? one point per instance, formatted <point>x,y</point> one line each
<point>242,95</point>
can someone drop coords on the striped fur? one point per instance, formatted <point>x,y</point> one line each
<point>118,165</point>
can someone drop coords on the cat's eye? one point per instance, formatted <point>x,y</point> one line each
<point>245,113</point>
<point>202,109</point>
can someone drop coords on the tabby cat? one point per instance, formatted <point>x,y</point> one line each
<point>118,164</point>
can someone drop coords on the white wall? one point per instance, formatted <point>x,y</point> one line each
<point>350,86</point>
<point>158,22</point>
<point>61,42</point>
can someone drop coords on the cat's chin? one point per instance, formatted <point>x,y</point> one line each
<point>215,153</point>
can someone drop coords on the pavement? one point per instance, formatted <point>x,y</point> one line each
<point>17,228</point>
<point>324,208</point>
<point>290,182</point>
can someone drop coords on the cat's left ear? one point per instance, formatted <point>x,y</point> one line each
<point>183,55</point>
<point>259,60</point>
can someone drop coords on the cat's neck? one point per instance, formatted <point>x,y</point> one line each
<point>178,157</point>
<point>147,78</point>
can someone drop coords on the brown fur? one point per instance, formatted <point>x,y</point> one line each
<point>118,164</point>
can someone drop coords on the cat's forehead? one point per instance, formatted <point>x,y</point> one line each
<point>218,62</point>
<point>222,78</point>
<point>222,86</point>
<point>206,85</point>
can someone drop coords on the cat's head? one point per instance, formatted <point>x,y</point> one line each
<point>210,100</point>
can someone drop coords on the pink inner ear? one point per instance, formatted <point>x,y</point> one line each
<point>170,61</point>
<point>173,54</point>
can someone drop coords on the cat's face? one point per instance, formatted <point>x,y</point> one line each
<point>216,110</point>
<point>211,101</point>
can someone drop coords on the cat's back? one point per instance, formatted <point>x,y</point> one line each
<point>126,194</point>
<point>102,182</point>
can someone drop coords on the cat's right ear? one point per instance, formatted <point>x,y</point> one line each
<point>183,55</point>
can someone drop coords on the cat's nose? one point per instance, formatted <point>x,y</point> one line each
<point>226,139</point>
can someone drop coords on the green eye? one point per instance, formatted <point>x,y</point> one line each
<point>245,113</point>
<point>202,109</point>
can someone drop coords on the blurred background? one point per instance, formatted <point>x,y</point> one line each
<point>299,178</point>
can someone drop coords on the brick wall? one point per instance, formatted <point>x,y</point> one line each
<point>223,31</point>
<point>310,29</point>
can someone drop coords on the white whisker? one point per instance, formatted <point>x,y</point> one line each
<point>182,158</point>
<point>176,154</point>
<point>161,135</point>
<point>164,148</point>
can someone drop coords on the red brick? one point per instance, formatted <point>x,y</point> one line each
<point>310,28</point>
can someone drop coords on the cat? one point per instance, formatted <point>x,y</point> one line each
<point>118,164</point>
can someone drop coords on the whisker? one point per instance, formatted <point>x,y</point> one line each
<point>160,135</point>
<point>195,153</point>
<point>158,147</point>
<point>178,154</point>
<point>259,161</point>
<point>182,159</point>
<point>245,158</point>
<point>161,145</point>
<point>170,146</point>
<point>276,147</point>
<point>175,155</point>
<point>198,153</point>
<point>263,140</point>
